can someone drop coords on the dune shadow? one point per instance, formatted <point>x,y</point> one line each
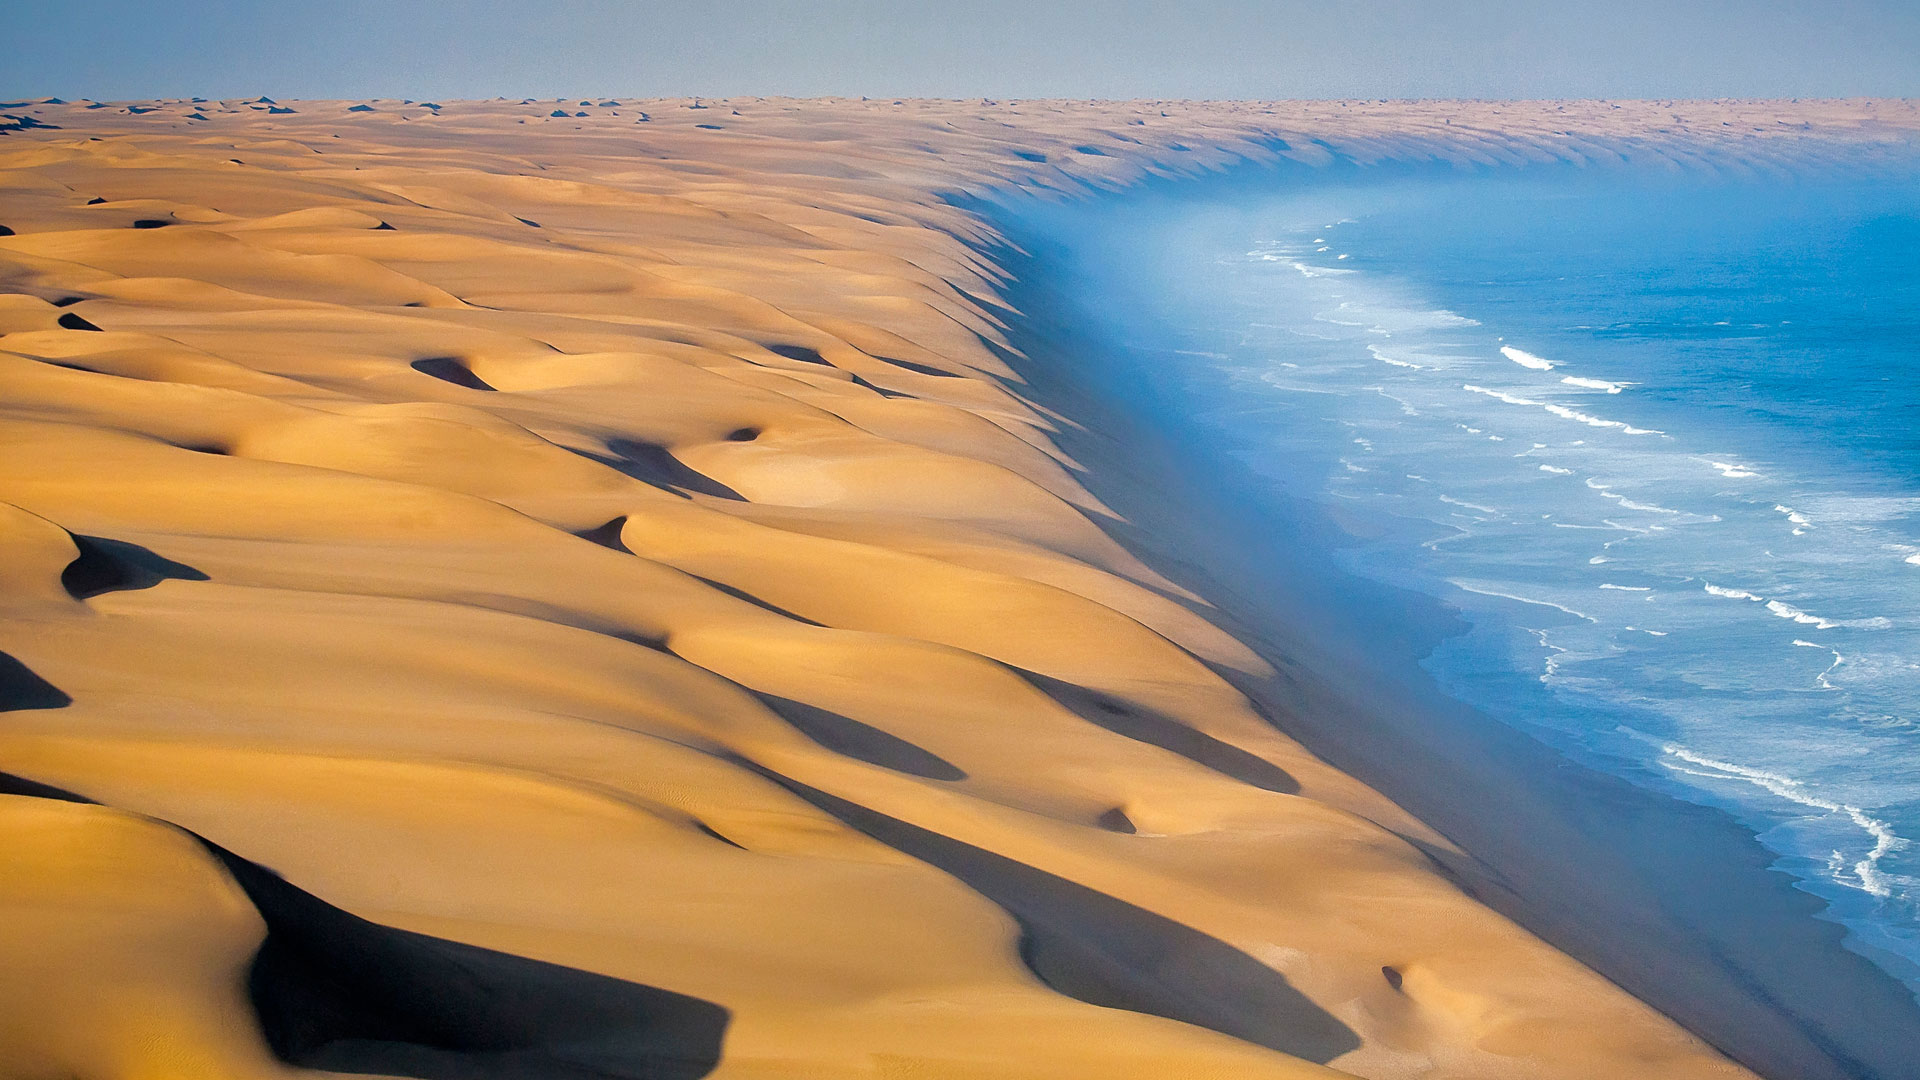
<point>608,535</point>
<point>20,785</point>
<point>862,742</point>
<point>451,369</point>
<point>1143,725</point>
<point>801,353</point>
<point>1104,951</point>
<point>21,689</point>
<point>336,992</point>
<point>651,463</point>
<point>116,566</point>
<point>923,369</point>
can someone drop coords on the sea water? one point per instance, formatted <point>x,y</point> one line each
<point>1657,438</point>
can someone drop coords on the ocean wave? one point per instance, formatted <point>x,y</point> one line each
<point>1595,421</point>
<point>1595,384</point>
<point>1502,395</point>
<point>1627,588</point>
<point>1559,410</point>
<point>1784,610</point>
<point>1556,470</point>
<point>1464,587</point>
<point>1732,471</point>
<point>1788,611</point>
<point>1866,873</point>
<point>1526,359</point>
<point>1821,679</point>
<point>1605,491</point>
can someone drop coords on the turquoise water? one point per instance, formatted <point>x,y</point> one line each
<point>1657,439</point>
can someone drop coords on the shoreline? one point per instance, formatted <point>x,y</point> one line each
<point>633,544</point>
<point>1764,978</point>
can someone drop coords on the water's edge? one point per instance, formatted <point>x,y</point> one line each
<point>1676,902</point>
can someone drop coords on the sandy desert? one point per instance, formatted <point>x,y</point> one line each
<point>588,588</point>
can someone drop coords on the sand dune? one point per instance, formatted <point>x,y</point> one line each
<point>505,590</point>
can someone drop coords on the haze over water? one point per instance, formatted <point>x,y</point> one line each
<point>1657,439</point>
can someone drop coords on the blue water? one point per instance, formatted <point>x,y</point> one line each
<point>1658,440</point>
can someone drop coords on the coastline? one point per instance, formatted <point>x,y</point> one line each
<point>638,558</point>
<point>1677,902</point>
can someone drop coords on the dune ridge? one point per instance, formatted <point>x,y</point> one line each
<point>608,553</point>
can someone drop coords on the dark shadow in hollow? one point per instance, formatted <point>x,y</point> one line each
<point>73,321</point>
<point>881,390</point>
<point>20,785</point>
<point>862,742</point>
<point>801,353</point>
<point>114,566</point>
<point>924,369</point>
<point>1107,952</point>
<point>21,689</point>
<point>654,464</point>
<point>764,605</point>
<point>336,992</point>
<point>1143,725</point>
<point>450,369</point>
<point>608,535</point>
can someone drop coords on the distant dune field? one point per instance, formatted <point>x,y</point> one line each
<point>577,589</point>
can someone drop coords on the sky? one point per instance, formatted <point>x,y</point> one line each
<point>110,50</point>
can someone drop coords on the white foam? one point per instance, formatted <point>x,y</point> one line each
<point>1595,384</point>
<point>1511,399</point>
<point>1733,594</point>
<point>1821,679</point>
<point>1559,410</point>
<point>1594,421</point>
<point>1450,500</point>
<point>1464,587</point>
<point>1556,470</point>
<point>1627,588</point>
<point>1606,493</point>
<point>1871,880</point>
<point>1788,611</point>
<point>1385,359</point>
<point>1732,471</point>
<point>1913,559</point>
<point>1526,359</point>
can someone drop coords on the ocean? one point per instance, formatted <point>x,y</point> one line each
<point>1655,436</point>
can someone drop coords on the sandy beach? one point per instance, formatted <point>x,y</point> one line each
<point>654,589</point>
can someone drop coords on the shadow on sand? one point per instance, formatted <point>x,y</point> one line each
<point>1105,951</point>
<point>334,991</point>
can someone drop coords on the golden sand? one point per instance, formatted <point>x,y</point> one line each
<point>623,546</point>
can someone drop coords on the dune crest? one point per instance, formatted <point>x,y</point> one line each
<point>608,566</point>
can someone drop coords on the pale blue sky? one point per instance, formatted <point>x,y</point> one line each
<point>122,49</point>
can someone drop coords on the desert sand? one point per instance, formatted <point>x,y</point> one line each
<point>585,589</point>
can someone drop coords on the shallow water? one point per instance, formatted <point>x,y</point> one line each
<point>1658,439</point>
